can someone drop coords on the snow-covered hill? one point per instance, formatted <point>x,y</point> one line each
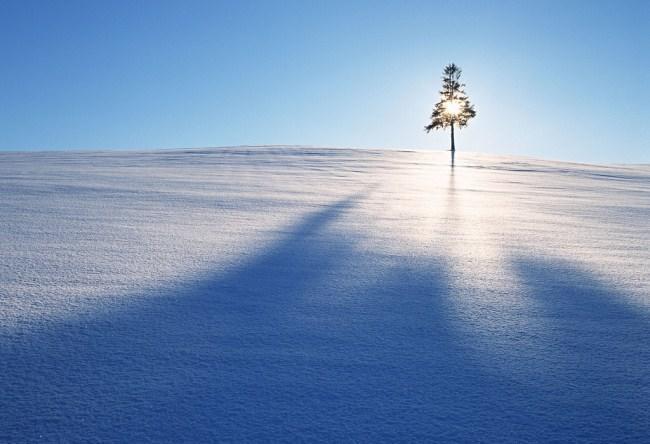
<point>274,293</point>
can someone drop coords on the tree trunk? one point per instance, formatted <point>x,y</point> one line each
<point>453,145</point>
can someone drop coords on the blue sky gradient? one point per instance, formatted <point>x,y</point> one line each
<point>561,80</point>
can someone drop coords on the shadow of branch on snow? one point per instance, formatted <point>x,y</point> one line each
<point>592,349</point>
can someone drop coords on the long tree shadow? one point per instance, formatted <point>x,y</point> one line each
<point>593,349</point>
<point>181,364</point>
<point>316,339</point>
<point>312,340</point>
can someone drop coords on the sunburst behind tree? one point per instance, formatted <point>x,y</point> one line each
<point>454,108</point>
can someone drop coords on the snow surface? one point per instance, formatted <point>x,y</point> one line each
<point>287,293</point>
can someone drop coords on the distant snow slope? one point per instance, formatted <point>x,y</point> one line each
<point>293,294</point>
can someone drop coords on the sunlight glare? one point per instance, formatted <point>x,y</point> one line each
<point>452,107</point>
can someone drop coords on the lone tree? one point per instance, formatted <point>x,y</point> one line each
<point>454,107</point>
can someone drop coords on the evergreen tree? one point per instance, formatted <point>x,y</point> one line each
<point>454,107</point>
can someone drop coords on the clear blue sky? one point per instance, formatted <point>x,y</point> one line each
<point>564,80</point>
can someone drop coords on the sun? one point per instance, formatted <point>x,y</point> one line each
<point>452,107</point>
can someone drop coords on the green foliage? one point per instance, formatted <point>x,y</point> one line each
<point>454,107</point>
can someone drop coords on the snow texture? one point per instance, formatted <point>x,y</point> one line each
<point>304,294</point>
